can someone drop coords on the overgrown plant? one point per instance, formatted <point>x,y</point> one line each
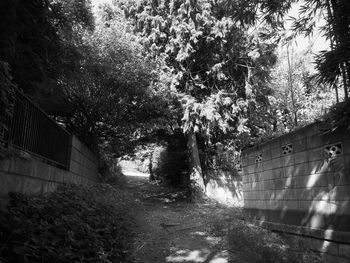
<point>73,224</point>
<point>337,117</point>
<point>6,99</point>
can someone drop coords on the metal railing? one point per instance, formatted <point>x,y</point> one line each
<point>32,130</point>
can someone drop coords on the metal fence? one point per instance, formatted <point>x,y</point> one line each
<point>32,130</point>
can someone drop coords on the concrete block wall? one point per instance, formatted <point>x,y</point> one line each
<point>29,174</point>
<point>83,163</point>
<point>224,187</point>
<point>302,181</point>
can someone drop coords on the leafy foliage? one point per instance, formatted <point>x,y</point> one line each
<point>337,117</point>
<point>332,64</point>
<point>215,67</point>
<point>73,224</point>
<point>34,39</point>
<point>6,98</point>
<point>254,244</point>
<point>114,96</point>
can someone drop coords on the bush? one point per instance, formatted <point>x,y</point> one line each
<point>73,224</point>
<point>338,116</point>
<point>249,243</point>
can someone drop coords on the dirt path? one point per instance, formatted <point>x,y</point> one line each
<point>170,229</point>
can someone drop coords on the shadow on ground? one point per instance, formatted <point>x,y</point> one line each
<point>170,228</point>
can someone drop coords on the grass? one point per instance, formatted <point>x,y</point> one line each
<point>248,243</point>
<point>73,224</point>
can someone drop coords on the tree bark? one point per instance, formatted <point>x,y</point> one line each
<point>290,83</point>
<point>197,186</point>
<point>150,168</point>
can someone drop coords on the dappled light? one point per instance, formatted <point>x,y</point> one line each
<point>203,256</point>
<point>182,131</point>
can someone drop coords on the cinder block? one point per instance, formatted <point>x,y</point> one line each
<point>305,205</point>
<point>304,194</point>
<point>301,157</point>
<point>333,258</point>
<point>340,193</point>
<point>317,180</point>
<point>314,141</point>
<point>290,182</point>
<point>276,152</point>
<point>74,167</point>
<point>32,186</point>
<point>275,143</point>
<point>301,182</point>
<point>288,160</point>
<point>299,145</point>
<point>267,154</point>
<point>301,169</point>
<point>268,165</point>
<point>324,246</point>
<point>277,162</point>
<point>75,155</point>
<point>20,166</point>
<point>49,187</point>
<point>277,173</point>
<point>249,169</point>
<point>346,146</point>
<point>320,166</point>
<point>289,194</point>
<point>289,171</point>
<point>340,177</point>
<point>4,164</point>
<point>278,184</point>
<point>76,143</point>
<point>337,164</point>
<point>316,154</point>
<point>9,183</point>
<point>343,207</point>
<point>57,175</point>
<point>291,204</point>
<point>41,170</point>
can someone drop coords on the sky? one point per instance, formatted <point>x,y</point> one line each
<point>317,40</point>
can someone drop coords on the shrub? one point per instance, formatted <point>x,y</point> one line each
<point>337,117</point>
<point>249,243</point>
<point>73,224</point>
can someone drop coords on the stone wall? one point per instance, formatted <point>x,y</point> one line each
<point>224,187</point>
<point>26,173</point>
<point>300,183</point>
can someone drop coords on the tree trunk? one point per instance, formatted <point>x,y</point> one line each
<point>197,186</point>
<point>290,83</point>
<point>150,168</point>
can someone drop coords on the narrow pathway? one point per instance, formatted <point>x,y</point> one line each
<point>170,229</point>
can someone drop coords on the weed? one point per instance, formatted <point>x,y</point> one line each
<point>73,224</point>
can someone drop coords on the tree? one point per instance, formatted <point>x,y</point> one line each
<point>296,95</point>
<point>6,99</point>
<point>210,57</point>
<point>36,42</point>
<point>335,63</point>
<point>116,95</point>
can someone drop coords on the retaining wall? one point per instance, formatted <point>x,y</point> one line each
<point>27,173</point>
<point>224,187</point>
<point>300,183</point>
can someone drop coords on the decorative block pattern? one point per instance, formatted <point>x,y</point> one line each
<point>287,149</point>
<point>258,158</point>
<point>333,151</point>
<point>301,178</point>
